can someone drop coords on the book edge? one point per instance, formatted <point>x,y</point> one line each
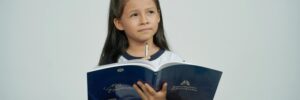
<point>139,62</point>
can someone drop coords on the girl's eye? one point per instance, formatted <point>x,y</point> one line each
<point>134,15</point>
<point>151,12</point>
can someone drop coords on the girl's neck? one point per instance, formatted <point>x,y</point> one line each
<point>137,49</point>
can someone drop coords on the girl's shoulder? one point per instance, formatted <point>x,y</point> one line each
<point>170,56</point>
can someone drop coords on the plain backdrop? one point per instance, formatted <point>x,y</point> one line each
<point>47,46</point>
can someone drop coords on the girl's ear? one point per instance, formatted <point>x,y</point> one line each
<point>118,24</point>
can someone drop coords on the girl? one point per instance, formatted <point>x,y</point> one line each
<point>133,24</point>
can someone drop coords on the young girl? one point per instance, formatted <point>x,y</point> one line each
<point>132,25</point>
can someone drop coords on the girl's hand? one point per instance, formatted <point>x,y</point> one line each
<point>148,93</point>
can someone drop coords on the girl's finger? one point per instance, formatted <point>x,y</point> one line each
<point>150,89</point>
<point>139,91</point>
<point>164,88</point>
<point>143,88</point>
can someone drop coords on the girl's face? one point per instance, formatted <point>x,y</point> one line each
<point>139,20</point>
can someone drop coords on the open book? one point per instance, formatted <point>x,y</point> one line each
<point>185,81</point>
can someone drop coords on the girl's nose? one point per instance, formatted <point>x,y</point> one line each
<point>144,19</point>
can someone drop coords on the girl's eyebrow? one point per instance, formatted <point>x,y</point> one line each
<point>150,8</point>
<point>132,11</point>
<point>136,10</point>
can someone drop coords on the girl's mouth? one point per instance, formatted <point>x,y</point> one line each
<point>145,29</point>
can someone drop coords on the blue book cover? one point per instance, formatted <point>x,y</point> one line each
<point>185,81</point>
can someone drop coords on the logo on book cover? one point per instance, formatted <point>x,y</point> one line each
<point>120,69</point>
<point>185,82</point>
<point>184,85</point>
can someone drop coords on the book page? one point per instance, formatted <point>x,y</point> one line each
<point>138,62</point>
<point>169,64</point>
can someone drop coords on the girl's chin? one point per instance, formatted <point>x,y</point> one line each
<point>144,41</point>
<point>145,38</point>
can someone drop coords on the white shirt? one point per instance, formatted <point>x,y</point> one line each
<point>160,57</point>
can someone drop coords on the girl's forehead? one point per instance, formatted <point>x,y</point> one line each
<point>139,4</point>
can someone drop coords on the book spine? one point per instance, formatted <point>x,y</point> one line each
<point>156,81</point>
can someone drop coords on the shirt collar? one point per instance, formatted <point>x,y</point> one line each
<point>153,57</point>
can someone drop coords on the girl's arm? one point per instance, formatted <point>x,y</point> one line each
<point>148,93</point>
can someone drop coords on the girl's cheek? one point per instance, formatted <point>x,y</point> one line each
<point>133,21</point>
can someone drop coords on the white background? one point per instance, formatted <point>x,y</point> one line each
<point>47,46</point>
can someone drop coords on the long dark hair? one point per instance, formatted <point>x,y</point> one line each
<point>116,41</point>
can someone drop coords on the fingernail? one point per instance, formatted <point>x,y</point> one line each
<point>139,83</point>
<point>164,82</point>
